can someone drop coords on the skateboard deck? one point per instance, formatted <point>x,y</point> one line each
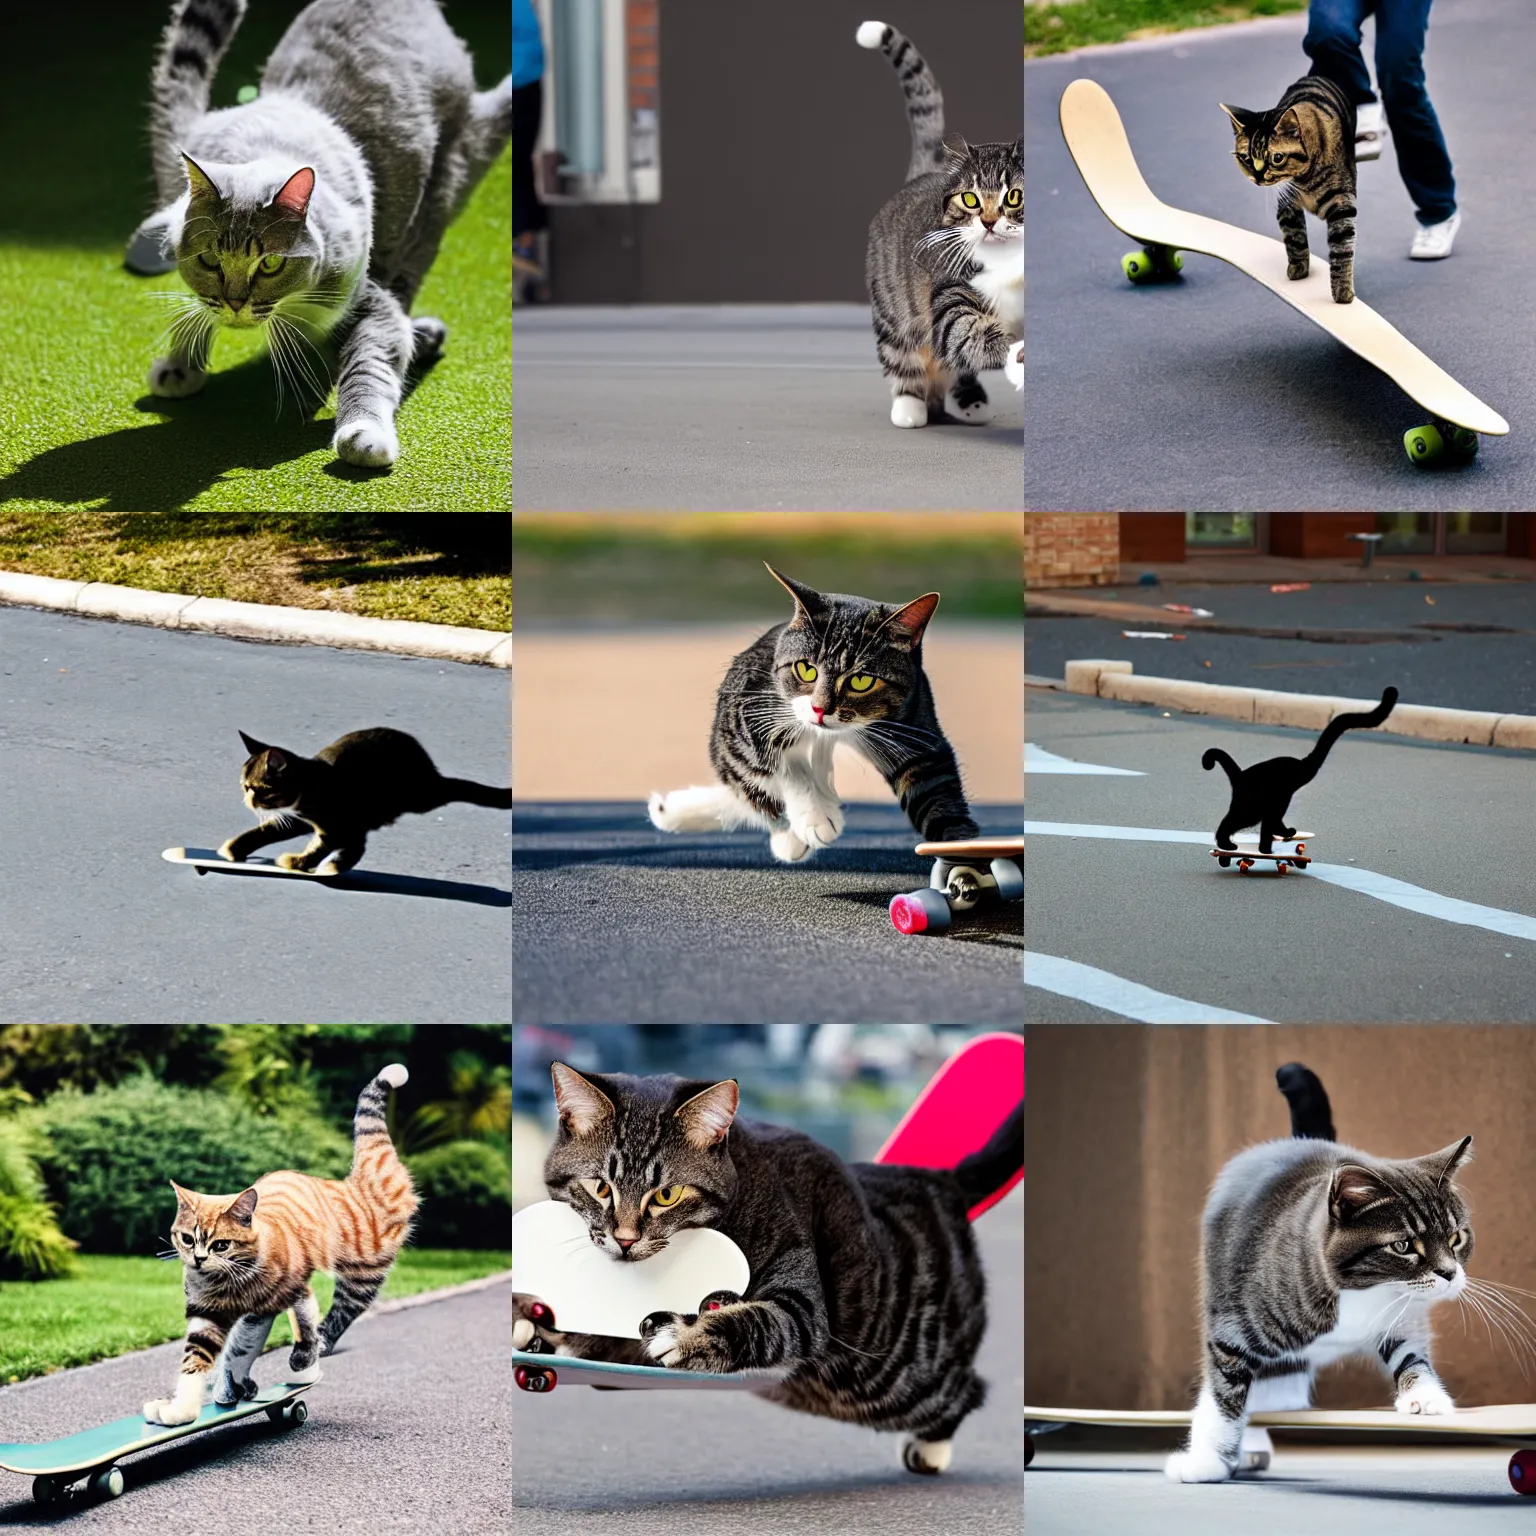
<point>965,874</point>
<point>92,1454</point>
<point>956,1114</point>
<point>1498,1422</point>
<point>974,848</point>
<point>528,1370</point>
<point>1290,854</point>
<point>1097,141</point>
<point>204,859</point>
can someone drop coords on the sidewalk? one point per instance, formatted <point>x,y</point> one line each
<point>1220,570</point>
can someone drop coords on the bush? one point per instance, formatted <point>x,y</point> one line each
<point>466,1196</point>
<point>111,1154</point>
<point>31,1245</point>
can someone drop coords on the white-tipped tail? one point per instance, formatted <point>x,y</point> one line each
<point>871,34</point>
<point>703,808</point>
<point>395,1075</point>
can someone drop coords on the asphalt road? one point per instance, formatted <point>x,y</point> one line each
<point>744,407</point>
<point>615,920</point>
<point>408,1431</point>
<point>1447,667</point>
<point>727,1464</point>
<point>1451,821</point>
<point>118,741</point>
<point>1212,394</point>
<point>1323,1490</point>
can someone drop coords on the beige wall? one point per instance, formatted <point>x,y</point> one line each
<point>1128,1125</point>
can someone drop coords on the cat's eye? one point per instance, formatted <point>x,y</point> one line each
<point>205,259</point>
<point>861,683</point>
<point>668,1196</point>
<point>186,1237</point>
<point>271,264</point>
<point>1014,198</point>
<point>1402,1245</point>
<point>219,1246</point>
<point>600,1189</point>
<point>805,671</point>
<point>970,200</point>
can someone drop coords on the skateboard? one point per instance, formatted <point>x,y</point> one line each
<point>1097,141</point>
<point>1291,855</point>
<point>204,859</point>
<point>1500,1424</point>
<point>965,873</point>
<point>92,1455</point>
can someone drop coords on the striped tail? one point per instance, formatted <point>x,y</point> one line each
<point>925,103</point>
<point>190,51</point>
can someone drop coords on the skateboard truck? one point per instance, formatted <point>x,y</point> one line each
<point>1152,264</point>
<point>1440,441</point>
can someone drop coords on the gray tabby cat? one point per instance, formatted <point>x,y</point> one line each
<point>945,264</point>
<point>1305,145</point>
<point>1314,1252</point>
<point>867,1301</point>
<point>318,207</point>
<point>843,669</point>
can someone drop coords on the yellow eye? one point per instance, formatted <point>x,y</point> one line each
<point>668,1196</point>
<point>1014,198</point>
<point>970,200</point>
<point>861,683</point>
<point>602,1191</point>
<point>805,672</point>
<point>270,264</point>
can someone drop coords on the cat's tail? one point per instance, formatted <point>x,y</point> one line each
<point>1311,1113</point>
<point>1215,755</point>
<point>477,794</point>
<point>704,808</point>
<point>190,51</point>
<point>995,1166</point>
<point>925,103</point>
<point>1341,723</point>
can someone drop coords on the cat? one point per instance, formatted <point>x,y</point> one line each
<point>945,263</point>
<point>1315,1252</point>
<point>843,669</point>
<point>867,1301</point>
<point>1305,145</point>
<point>362,781</point>
<point>248,1257</point>
<point>1262,793</point>
<point>318,207</point>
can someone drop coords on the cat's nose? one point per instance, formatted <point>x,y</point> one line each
<point>234,304</point>
<point>626,1243</point>
<point>818,711</point>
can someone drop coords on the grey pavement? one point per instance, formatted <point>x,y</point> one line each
<point>727,1464</point>
<point>616,920</point>
<point>740,408</point>
<point>409,1431</point>
<point>1210,393</point>
<point>1417,646</point>
<point>1453,820</point>
<point>1323,1490</point>
<point>118,741</point>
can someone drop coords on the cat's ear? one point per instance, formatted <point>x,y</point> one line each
<point>1355,1191</point>
<point>244,1208</point>
<point>252,745</point>
<point>1242,119</point>
<point>1290,123</point>
<point>707,1116</point>
<point>183,1196</point>
<point>808,601</point>
<point>956,148</point>
<point>1447,1160</point>
<point>294,194</point>
<point>913,619</point>
<point>198,179</point>
<point>581,1104</point>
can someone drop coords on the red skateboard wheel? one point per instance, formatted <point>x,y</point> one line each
<point>1522,1472</point>
<point>907,916</point>
<point>535,1381</point>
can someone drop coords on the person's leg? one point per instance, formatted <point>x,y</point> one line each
<point>528,216</point>
<point>1333,44</point>
<point>1422,158</point>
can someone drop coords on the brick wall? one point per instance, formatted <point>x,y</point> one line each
<point>1071,549</point>
<point>641,19</point>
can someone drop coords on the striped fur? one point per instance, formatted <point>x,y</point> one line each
<point>195,41</point>
<point>867,1302</point>
<point>1305,146</point>
<point>945,261</point>
<point>249,1257</point>
<point>776,728</point>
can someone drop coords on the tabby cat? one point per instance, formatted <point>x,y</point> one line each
<point>318,207</point>
<point>1314,1252</point>
<point>1305,145</point>
<point>843,669</point>
<point>867,1300</point>
<point>945,264</point>
<point>1262,794</point>
<point>361,782</point>
<point>248,1257</point>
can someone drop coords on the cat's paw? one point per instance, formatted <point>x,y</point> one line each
<point>1343,293</point>
<point>787,848</point>
<point>1425,1396</point>
<point>173,378</point>
<point>909,411</point>
<point>428,334</point>
<point>1013,369</point>
<point>166,1410</point>
<point>231,1391</point>
<point>533,1326</point>
<point>227,851</point>
<point>817,826</point>
<point>294,861</point>
<point>927,1456</point>
<point>681,1342</point>
<point>303,1374</point>
<point>977,414</point>
<point>1202,1466</point>
<point>366,441</point>
<point>1296,270</point>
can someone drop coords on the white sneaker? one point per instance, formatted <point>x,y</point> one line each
<point>1370,130</point>
<point>1433,242</point>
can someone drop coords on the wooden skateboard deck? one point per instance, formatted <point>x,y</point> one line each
<point>974,848</point>
<point>1097,141</point>
<point>1287,855</point>
<point>55,1464</point>
<point>204,859</point>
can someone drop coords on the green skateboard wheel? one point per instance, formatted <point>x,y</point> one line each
<point>1138,266</point>
<point>1460,443</point>
<point>1175,261</point>
<point>1424,444</point>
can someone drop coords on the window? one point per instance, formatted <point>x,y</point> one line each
<point>1221,530</point>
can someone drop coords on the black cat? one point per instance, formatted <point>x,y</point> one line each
<point>1261,794</point>
<point>361,782</point>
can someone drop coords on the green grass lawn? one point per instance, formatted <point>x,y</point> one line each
<point>78,427</point>
<point>1079,23</point>
<point>119,1304</point>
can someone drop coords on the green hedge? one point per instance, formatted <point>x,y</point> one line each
<point>466,1196</point>
<point>31,1245</point>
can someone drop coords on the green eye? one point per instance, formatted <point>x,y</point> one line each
<point>861,683</point>
<point>805,672</point>
<point>970,200</point>
<point>205,259</point>
<point>1014,199</point>
<point>270,264</point>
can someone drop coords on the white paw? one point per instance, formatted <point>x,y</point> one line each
<point>164,1410</point>
<point>428,334</point>
<point>367,441</point>
<point>1013,369</point>
<point>909,411</point>
<point>298,1378</point>
<point>926,1455</point>
<point>662,1346</point>
<point>788,848</point>
<point>817,826</point>
<point>1197,1467</point>
<point>1425,1397</point>
<point>172,379</point>
<point>976,414</point>
<point>522,1332</point>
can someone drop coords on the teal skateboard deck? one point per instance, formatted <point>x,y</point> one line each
<point>91,1456</point>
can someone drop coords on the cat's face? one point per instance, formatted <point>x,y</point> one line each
<point>844,663</point>
<point>983,209</point>
<point>215,1235</point>
<point>1270,147</point>
<point>269,781</point>
<point>1401,1223</point>
<point>639,1158</point>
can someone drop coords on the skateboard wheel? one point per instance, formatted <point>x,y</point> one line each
<point>1424,444</point>
<point>1029,1449</point>
<point>1301,847</point>
<point>1280,866</point>
<point>534,1381</point>
<point>1522,1472</point>
<point>1460,443</point>
<point>1244,865</point>
<point>108,1483</point>
<point>275,1413</point>
<point>1138,266</point>
<point>924,911</point>
<point>1009,879</point>
<point>1225,863</point>
<point>47,1490</point>
<point>297,1413</point>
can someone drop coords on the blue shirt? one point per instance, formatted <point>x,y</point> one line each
<point>527,44</point>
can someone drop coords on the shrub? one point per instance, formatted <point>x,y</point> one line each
<point>466,1196</point>
<point>31,1245</point>
<point>111,1154</point>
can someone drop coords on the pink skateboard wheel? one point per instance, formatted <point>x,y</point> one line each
<point>907,916</point>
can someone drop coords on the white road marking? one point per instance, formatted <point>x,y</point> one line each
<point>1038,760</point>
<point>1114,994</point>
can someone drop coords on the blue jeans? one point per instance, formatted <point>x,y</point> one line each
<point>1333,44</point>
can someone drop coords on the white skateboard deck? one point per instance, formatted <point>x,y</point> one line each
<point>1498,1421</point>
<point>204,859</point>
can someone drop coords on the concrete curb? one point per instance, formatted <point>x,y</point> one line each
<point>257,621</point>
<point>1309,711</point>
